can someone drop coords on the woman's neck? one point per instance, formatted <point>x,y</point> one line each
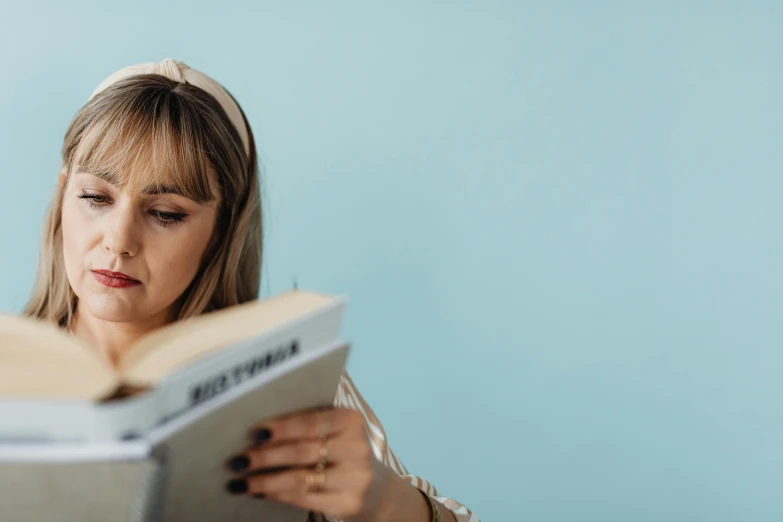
<point>112,339</point>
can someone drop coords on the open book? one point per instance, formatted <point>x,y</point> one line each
<point>80,440</point>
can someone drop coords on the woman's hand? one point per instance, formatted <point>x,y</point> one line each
<point>322,461</point>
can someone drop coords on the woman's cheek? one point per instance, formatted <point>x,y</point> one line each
<point>172,266</point>
<point>77,234</point>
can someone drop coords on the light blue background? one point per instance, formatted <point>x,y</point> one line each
<point>559,225</point>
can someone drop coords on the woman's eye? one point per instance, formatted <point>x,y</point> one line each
<point>160,217</point>
<point>168,219</point>
<point>94,200</point>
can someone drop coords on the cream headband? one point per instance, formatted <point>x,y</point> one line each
<point>179,72</point>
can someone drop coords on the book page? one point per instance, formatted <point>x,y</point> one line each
<point>164,351</point>
<point>39,360</point>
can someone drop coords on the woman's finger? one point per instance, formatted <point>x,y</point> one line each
<point>294,454</point>
<point>301,482</point>
<point>288,481</point>
<point>307,425</point>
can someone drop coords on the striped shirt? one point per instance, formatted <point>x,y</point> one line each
<point>349,397</point>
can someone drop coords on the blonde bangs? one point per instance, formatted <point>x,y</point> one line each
<point>148,145</point>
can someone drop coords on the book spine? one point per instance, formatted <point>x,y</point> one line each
<point>126,419</point>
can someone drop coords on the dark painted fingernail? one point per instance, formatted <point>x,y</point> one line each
<point>261,436</point>
<point>258,495</point>
<point>239,463</point>
<point>237,486</point>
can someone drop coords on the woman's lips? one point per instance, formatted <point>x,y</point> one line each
<point>115,279</point>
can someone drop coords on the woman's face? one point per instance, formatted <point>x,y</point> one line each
<point>129,256</point>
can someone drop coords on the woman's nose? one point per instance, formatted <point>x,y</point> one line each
<point>121,234</point>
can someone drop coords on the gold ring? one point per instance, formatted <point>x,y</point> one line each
<point>323,458</point>
<point>323,453</point>
<point>315,480</point>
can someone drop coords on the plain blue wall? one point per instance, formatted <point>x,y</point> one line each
<point>559,225</point>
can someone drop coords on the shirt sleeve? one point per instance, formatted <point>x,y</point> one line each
<point>348,396</point>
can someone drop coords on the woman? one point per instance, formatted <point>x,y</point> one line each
<point>157,218</point>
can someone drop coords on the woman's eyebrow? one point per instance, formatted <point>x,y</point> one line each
<point>105,176</point>
<point>149,190</point>
<point>157,190</point>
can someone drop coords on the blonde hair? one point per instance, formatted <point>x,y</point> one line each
<point>176,133</point>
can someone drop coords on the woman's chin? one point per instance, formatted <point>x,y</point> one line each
<point>114,309</point>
